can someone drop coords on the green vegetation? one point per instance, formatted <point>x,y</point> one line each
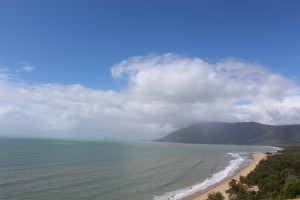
<point>291,190</point>
<point>278,177</point>
<point>215,196</point>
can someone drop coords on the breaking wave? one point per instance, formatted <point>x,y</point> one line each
<point>234,165</point>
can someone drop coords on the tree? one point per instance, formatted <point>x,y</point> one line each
<point>278,177</point>
<point>233,189</point>
<point>215,196</point>
<point>291,190</point>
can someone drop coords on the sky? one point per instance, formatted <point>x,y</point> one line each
<point>141,69</point>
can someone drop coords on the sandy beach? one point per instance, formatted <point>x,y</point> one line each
<point>223,186</point>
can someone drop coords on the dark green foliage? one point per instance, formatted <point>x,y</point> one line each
<point>215,196</point>
<point>237,190</point>
<point>233,189</point>
<point>278,177</point>
<point>291,190</point>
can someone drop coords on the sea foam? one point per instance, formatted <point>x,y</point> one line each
<point>215,178</point>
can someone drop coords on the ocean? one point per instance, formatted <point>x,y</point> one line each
<point>35,169</point>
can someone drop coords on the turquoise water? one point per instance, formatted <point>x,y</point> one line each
<point>37,169</point>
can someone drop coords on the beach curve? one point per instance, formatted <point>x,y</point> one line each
<point>224,185</point>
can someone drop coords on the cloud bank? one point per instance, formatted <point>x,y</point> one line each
<point>163,93</point>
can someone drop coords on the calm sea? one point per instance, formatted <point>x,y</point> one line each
<point>35,169</point>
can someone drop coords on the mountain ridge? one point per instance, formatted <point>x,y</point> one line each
<point>241,133</point>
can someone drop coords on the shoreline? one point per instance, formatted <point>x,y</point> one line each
<point>222,186</point>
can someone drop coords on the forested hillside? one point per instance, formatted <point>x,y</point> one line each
<point>278,177</point>
<point>235,133</point>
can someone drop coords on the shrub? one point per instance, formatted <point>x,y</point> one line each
<point>215,196</point>
<point>291,190</point>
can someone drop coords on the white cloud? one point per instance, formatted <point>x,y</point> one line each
<point>5,74</point>
<point>163,93</point>
<point>26,67</point>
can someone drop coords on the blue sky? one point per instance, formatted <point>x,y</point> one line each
<point>62,45</point>
<point>79,41</point>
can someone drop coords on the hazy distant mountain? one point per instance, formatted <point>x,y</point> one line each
<point>235,133</point>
